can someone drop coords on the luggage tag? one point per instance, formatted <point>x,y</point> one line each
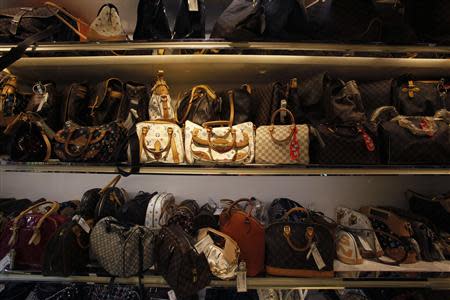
<point>365,244</point>
<point>171,295</point>
<point>283,113</point>
<point>193,5</point>
<point>241,278</point>
<point>40,92</point>
<point>316,255</point>
<point>82,223</point>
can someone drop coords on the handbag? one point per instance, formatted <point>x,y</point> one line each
<point>413,140</point>
<point>75,106</point>
<point>134,210</point>
<point>159,210</point>
<point>152,22</point>
<point>229,145</point>
<point>107,102</point>
<point>29,138</point>
<point>184,214</point>
<point>176,259</point>
<point>12,103</point>
<point>287,96</point>
<point>279,207</point>
<point>136,108</point>
<point>199,105</point>
<point>284,20</point>
<point>243,105</point>
<point>301,249</point>
<point>420,98</point>
<point>347,250</point>
<point>110,200</point>
<point>282,144</point>
<point>314,93</point>
<point>46,102</point>
<point>248,233</point>
<point>89,144</point>
<point>206,217</point>
<point>263,111</point>
<point>27,235</point>
<point>88,202</point>
<point>190,20</point>
<point>160,106</point>
<point>122,250</point>
<point>375,94</point>
<point>221,252</point>
<point>158,141</point>
<point>436,209</point>
<point>107,25</point>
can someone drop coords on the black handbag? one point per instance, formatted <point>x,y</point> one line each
<point>184,215</point>
<point>199,105</point>
<point>303,249</point>
<point>110,201</point>
<point>413,140</point>
<point>107,102</point>
<point>287,96</point>
<point>435,209</point>
<point>134,211</point>
<point>279,207</point>
<point>243,105</point>
<point>420,98</point>
<point>190,21</point>
<point>177,260</point>
<point>152,22</point>
<point>375,94</point>
<point>206,218</point>
<point>313,93</point>
<point>75,106</point>
<point>284,20</point>
<point>136,104</point>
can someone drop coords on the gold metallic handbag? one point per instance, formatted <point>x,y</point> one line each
<point>282,144</point>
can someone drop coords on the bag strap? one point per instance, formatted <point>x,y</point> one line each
<point>36,237</point>
<point>111,184</point>
<point>192,98</point>
<point>83,149</point>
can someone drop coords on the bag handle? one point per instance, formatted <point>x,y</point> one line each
<point>192,98</point>
<point>272,126</point>
<point>156,153</point>
<point>309,235</point>
<point>68,14</point>
<point>36,237</point>
<point>111,184</point>
<point>230,208</point>
<point>85,147</point>
<point>297,209</point>
<point>429,129</point>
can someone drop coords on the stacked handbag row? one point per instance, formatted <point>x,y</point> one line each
<point>186,243</point>
<point>317,120</point>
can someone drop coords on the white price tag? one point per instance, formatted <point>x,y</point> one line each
<point>82,223</point>
<point>171,295</point>
<point>317,257</point>
<point>218,211</point>
<point>365,244</point>
<point>44,98</point>
<point>283,112</point>
<point>5,262</point>
<point>193,5</point>
<point>241,278</point>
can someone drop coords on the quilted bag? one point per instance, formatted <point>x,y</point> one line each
<point>159,141</point>
<point>89,144</point>
<point>122,250</point>
<point>282,144</point>
<point>159,210</point>
<point>231,144</point>
<point>160,106</point>
<point>304,248</point>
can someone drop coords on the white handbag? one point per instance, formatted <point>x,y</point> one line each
<point>282,144</point>
<point>107,25</point>
<point>159,210</point>
<point>159,141</point>
<point>229,145</point>
<point>160,105</point>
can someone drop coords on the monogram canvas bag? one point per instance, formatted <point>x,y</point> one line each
<point>282,144</point>
<point>160,208</point>
<point>160,106</point>
<point>159,141</point>
<point>107,25</point>
<point>230,144</point>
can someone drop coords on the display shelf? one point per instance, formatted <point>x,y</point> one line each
<point>253,169</point>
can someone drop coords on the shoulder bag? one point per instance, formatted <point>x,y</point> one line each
<point>199,105</point>
<point>159,210</point>
<point>221,252</point>
<point>160,106</point>
<point>107,102</point>
<point>122,250</point>
<point>27,235</point>
<point>75,143</point>
<point>248,233</point>
<point>301,249</point>
<point>282,144</point>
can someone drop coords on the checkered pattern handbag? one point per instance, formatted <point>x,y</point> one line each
<point>282,144</point>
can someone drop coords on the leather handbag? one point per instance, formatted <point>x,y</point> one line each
<point>394,234</point>
<point>89,144</point>
<point>12,103</point>
<point>263,111</point>
<point>199,105</point>
<point>436,209</point>
<point>88,202</point>
<point>344,105</point>
<point>314,93</point>
<point>46,102</point>
<point>160,106</point>
<point>107,25</point>
<point>287,96</point>
<point>229,145</point>
<point>29,138</point>
<point>420,98</point>
<point>221,252</point>
<point>282,144</point>
<point>159,142</point>
<point>110,200</point>
<point>75,106</point>
<point>122,250</point>
<point>159,210</point>
<point>152,22</point>
<point>279,207</point>
<point>302,249</point>
<point>107,102</point>
<point>134,210</point>
<point>176,259</point>
<point>184,215</point>
<point>284,20</point>
<point>206,217</point>
<point>243,105</point>
<point>190,20</point>
<point>347,250</point>
<point>248,233</point>
<point>27,235</point>
<point>414,140</point>
<point>375,94</point>
<point>136,108</point>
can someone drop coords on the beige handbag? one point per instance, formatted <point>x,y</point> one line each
<point>229,144</point>
<point>282,144</point>
<point>159,141</point>
<point>107,25</point>
<point>221,251</point>
<point>160,105</point>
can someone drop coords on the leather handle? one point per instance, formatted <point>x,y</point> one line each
<point>68,14</point>
<point>275,113</point>
<point>272,126</point>
<point>210,124</point>
<point>35,238</point>
<point>294,210</point>
<point>83,149</point>
<point>205,88</point>
<point>219,147</point>
<point>111,184</point>
<point>236,203</point>
<point>309,234</point>
<point>152,151</point>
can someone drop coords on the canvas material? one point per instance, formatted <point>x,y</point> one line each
<point>199,153</point>
<point>107,25</point>
<point>347,249</point>
<point>267,151</point>
<point>156,107</point>
<point>158,133</point>
<point>157,210</point>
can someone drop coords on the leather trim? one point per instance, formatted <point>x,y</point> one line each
<point>298,272</point>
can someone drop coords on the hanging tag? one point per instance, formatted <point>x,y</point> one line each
<point>193,5</point>
<point>294,146</point>
<point>317,257</point>
<point>241,278</point>
<point>283,113</point>
<point>5,262</point>
<point>218,211</point>
<point>365,244</point>
<point>171,295</point>
<point>82,223</point>
<point>43,100</point>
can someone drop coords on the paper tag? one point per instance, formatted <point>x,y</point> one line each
<point>2,287</point>
<point>193,5</point>
<point>204,244</point>
<point>82,223</point>
<point>5,262</point>
<point>283,113</point>
<point>317,257</point>
<point>43,101</point>
<point>218,211</point>
<point>171,295</point>
<point>241,278</point>
<point>365,244</point>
